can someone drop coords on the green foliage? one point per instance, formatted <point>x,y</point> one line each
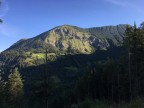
<point>2,93</point>
<point>86,104</point>
<point>14,87</point>
<point>137,103</point>
<point>135,46</point>
<point>142,26</point>
<point>89,103</point>
<point>11,92</point>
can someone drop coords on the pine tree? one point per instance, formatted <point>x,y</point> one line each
<point>2,92</point>
<point>14,87</point>
<point>142,26</point>
<point>135,43</point>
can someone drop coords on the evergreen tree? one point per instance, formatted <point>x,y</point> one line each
<point>14,87</point>
<point>142,26</point>
<point>2,92</point>
<point>135,44</point>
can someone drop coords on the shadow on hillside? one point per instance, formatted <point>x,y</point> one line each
<point>69,67</point>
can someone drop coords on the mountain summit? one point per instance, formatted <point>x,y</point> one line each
<point>71,38</point>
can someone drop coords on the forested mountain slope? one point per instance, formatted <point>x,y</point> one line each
<point>62,40</point>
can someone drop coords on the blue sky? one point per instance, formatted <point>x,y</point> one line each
<point>28,18</point>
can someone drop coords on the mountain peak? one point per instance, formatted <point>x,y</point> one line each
<point>66,26</point>
<point>68,38</point>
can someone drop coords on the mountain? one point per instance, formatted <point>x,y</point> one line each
<point>72,52</point>
<point>66,37</point>
<point>62,40</point>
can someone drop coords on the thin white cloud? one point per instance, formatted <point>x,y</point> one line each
<point>4,8</point>
<point>9,31</point>
<point>116,2</point>
<point>126,4</point>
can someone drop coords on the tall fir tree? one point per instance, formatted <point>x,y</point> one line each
<point>14,87</point>
<point>134,41</point>
<point>2,93</point>
<point>142,26</point>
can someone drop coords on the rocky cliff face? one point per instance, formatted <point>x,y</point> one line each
<point>68,38</point>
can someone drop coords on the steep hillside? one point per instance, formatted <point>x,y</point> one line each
<point>62,40</point>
